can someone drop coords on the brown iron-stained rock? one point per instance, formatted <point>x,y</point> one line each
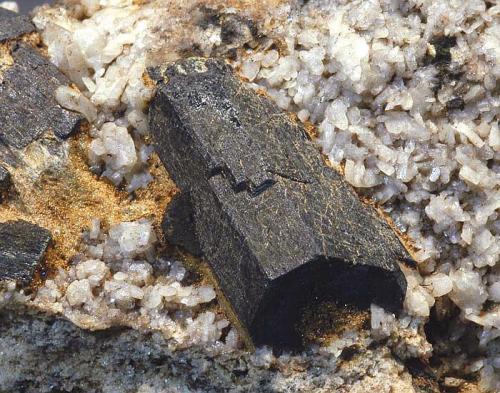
<point>280,229</point>
<point>22,248</point>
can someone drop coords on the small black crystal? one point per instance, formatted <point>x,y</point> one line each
<point>443,46</point>
<point>178,224</point>
<point>22,248</point>
<point>456,103</point>
<point>5,181</point>
<point>280,229</point>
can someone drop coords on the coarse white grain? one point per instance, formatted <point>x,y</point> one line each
<point>10,5</point>
<point>74,100</point>
<point>78,293</point>
<point>440,283</point>
<point>124,289</point>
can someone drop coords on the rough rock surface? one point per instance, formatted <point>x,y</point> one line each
<point>290,231</point>
<point>22,248</point>
<point>376,78</point>
<point>57,356</point>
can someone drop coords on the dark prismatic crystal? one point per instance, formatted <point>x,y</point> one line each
<point>5,181</point>
<point>280,229</point>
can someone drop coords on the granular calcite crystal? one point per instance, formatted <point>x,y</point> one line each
<point>289,230</point>
<point>22,248</point>
<point>119,280</point>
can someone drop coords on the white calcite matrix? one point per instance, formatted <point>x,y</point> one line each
<point>119,281</point>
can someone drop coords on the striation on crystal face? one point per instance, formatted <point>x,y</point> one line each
<point>22,248</point>
<point>280,229</point>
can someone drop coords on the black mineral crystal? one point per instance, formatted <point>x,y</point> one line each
<point>22,249</point>
<point>28,108</point>
<point>5,180</point>
<point>28,81</point>
<point>13,25</point>
<point>281,230</point>
<point>178,224</point>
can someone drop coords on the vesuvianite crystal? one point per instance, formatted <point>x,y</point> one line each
<point>280,229</point>
<point>28,108</point>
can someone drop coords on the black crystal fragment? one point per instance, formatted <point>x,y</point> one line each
<point>28,108</point>
<point>280,229</point>
<point>456,103</point>
<point>178,224</point>
<point>442,46</point>
<point>22,249</point>
<point>13,25</point>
